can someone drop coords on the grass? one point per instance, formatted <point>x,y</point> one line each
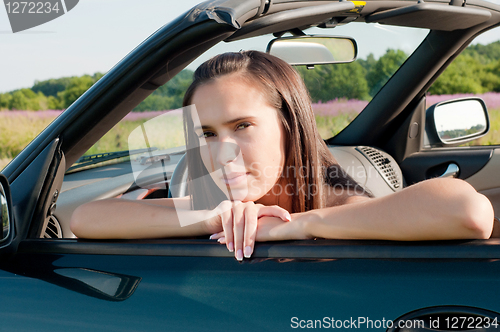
<point>116,138</point>
<point>163,132</point>
<point>17,129</point>
<point>493,136</point>
<point>329,126</point>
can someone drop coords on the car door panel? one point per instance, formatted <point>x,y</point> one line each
<point>185,293</point>
<point>488,177</point>
<point>428,164</point>
<point>494,197</point>
<point>477,166</point>
<point>487,181</point>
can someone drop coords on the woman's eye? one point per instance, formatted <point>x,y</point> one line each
<point>242,125</point>
<point>206,134</point>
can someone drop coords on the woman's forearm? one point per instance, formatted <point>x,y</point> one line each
<point>126,219</point>
<point>430,210</point>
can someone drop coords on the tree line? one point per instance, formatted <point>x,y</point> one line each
<point>53,94</point>
<point>475,70</point>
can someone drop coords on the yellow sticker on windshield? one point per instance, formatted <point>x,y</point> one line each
<point>358,6</point>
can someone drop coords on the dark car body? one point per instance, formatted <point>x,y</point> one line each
<point>196,284</point>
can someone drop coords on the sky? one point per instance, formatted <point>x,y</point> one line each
<point>96,34</point>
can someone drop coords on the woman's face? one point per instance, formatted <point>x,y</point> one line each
<point>241,138</point>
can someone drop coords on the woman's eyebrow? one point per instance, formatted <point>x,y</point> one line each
<point>229,122</point>
<point>238,119</point>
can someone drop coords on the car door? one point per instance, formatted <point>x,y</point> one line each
<point>180,285</point>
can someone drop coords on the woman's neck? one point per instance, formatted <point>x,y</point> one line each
<point>277,196</point>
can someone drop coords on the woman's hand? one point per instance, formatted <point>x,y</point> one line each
<point>239,224</point>
<point>275,229</point>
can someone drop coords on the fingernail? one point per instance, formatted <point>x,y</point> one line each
<point>288,217</point>
<point>212,236</point>
<point>230,246</point>
<point>239,255</point>
<point>248,251</point>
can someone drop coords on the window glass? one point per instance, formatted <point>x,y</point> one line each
<point>339,92</point>
<point>474,73</point>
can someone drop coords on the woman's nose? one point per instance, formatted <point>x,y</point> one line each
<point>226,152</point>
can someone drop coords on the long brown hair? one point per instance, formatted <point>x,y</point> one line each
<point>305,149</point>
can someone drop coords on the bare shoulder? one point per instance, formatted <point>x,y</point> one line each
<point>341,196</point>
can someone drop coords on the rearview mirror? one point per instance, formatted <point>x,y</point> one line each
<point>455,122</point>
<point>314,50</point>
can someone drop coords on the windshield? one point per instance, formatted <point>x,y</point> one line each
<point>339,92</point>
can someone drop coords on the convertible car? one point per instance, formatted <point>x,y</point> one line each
<point>50,280</point>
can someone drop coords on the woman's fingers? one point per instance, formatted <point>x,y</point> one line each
<point>250,231</point>
<point>217,236</point>
<point>274,211</point>
<point>239,224</point>
<point>227,226</point>
<point>238,229</point>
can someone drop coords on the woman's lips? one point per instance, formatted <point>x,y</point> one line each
<point>231,179</point>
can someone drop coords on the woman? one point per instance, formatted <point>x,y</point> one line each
<point>260,171</point>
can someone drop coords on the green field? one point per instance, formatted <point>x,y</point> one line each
<point>493,136</point>
<point>329,126</point>
<point>17,131</point>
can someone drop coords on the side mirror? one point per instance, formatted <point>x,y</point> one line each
<point>5,212</point>
<point>314,50</point>
<point>455,122</point>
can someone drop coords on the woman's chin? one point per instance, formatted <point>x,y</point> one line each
<point>237,194</point>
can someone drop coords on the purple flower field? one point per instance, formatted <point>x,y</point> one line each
<point>52,114</point>
<point>331,108</point>
<point>339,106</point>
<point>492,99</point>
<point>48,114</point>
<point>18,128</point>
<point>343,106</point>
<point>135,116</point>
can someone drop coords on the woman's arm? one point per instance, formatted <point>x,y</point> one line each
<point>129,219</point>
<point>436,209</point>
<point>172,217</point>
